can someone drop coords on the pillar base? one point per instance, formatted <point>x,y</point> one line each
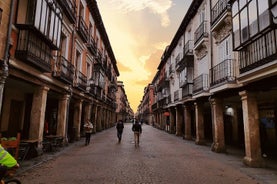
<point>178,134</point>
<point>200,142</point>
<point>187,137</point>
<point>257,163</point>
<point>216,147</point>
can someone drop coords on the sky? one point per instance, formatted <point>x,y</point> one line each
<point>139,31</point>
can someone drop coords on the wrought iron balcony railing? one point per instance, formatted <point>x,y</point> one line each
<point>259,52</point>
<point>69,8</point>
<point>91,45</point>
<point>200,32</point>
<point>32,49</point>
<point>188,48</point>
<point>81,81</point>
<point>219,8</point>
<point>187,90</point>
<point>64,70</point>
<point>223,72</point>
<point>176,95</point>
<point>82,29</point>
<point>201,83</point>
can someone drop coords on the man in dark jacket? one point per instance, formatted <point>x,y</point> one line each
<point>136,128</point>
<point>119,127</point>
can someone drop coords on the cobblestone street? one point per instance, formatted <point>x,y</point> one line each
<point>160,158</point>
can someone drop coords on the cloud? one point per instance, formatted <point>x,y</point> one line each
<point>158,7</point>
<point>123,68</point>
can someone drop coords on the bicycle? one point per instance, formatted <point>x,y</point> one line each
<point>8,178</point>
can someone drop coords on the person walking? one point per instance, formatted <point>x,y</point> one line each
<point>119,127</point>
<point>136,128</point>
<point>88,130</point>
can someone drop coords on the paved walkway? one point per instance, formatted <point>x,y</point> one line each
<point>160,158</point>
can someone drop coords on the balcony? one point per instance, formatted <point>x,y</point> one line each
<point>201,83</point>
<point>33,50</point>
<point>221,24</point>
<point>168,101</point>
<point>171,71</point>
<point>69,8</point>
<point>219,10</point>
<point>99,56</point>
<point>258,53</point>
<point>155,106</point>
<point>188,59</point>
<point>98,92</point>
<point>64,70</point>
<point>200,33</point>
<point>187,91</point>
<point>176,96</point>
<point>162,84</point>
<point>81,82</point>
<point>91,45</point>
<point>224,72</point>
<point>43,18</point>
<point>201,40</point>
<point>82,29</point>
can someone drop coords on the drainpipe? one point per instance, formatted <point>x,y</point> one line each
<point>4,70</point>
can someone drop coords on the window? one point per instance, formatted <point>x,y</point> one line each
<point>244,25</point>
<point>78,63</point>
<point>44,15</point>
<point>225,49</point>
<point>250,17</point>
<point>263,14</point>
<point>242,3</point>
<point>253,17</point>
<point>182,77</point>
<point>64,46</point>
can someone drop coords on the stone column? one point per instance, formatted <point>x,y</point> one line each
<point>38,115</point>
<point>94,120</point>
<point>77,118</point>
<point>179,121</point>
<point>199,117</point>
<point>99,117</point>
<point>88,108</point>
<point>235,126</point>
<point>3,77</point>
<point>218,125</point>
<point>172,121</point>
<point>62,116</point>
<point>251,130</point>
<point>187,113</point>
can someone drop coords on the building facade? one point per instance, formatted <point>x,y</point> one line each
<point>218,70</point>
<point>61,69</point>
<point>123,110</point>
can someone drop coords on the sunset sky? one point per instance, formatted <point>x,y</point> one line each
<point>139,31</point>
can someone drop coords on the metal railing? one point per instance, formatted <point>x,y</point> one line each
<point>223,72</point>
<point>201,83</point>
<point>200,32</point>
<point>218,10</point>
<point>259,52</point>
